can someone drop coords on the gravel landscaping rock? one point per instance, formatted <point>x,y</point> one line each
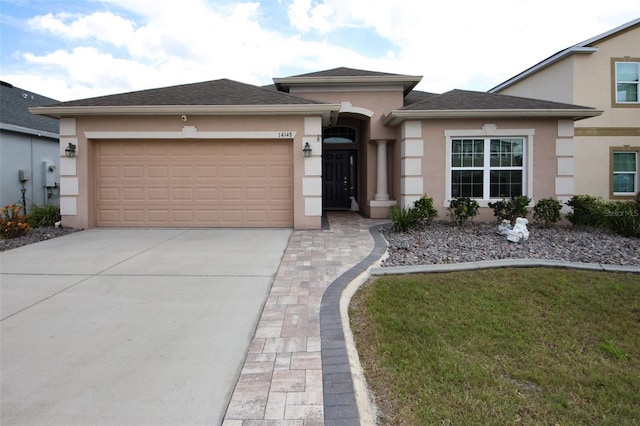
<point>442,242</point>
<point>36,235</point>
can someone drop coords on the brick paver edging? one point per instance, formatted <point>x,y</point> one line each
<point>340,405</point>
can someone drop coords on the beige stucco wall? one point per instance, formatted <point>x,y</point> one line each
<point>77,192</point>
<point>379,101</point>
<point>434,159</point>
<point>553,83</point>
<point>593,174</point>
<point>594,84</point>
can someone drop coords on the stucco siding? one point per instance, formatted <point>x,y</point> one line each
<point>554,83</point>
<point>592,163</point>
<point>544,161</point>
<point>27,152</point>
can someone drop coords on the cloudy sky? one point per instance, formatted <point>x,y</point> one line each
<point>74,49</point>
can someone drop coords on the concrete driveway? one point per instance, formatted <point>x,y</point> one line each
<point>131,326</point>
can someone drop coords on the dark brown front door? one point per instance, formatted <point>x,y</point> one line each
<point>339,178</point>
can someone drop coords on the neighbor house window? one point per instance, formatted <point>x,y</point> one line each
<point>487,168</point>
<point>627,79</point>
<point>625,172</point>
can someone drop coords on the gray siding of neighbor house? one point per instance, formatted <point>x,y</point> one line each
<point>22,151</point>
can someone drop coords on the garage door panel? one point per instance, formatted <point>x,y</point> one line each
<point>105,172</point>
<point>195,183</point>
<point>158,194</point>
<point>206,171</point>
<point>133,216</point>
<point>133,194</point>
<point>158,216</point>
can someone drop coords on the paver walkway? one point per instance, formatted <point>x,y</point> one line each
<point>281,382</point>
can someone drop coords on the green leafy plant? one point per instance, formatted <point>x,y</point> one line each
<point>622,218</point>
<point>12,222</point>
<point>587,210</point>
<point>403,218</point>
<point>43,216</point>
<point>425,210</point>
<point>463,209</point>
<point>511,208</point>
<point>547,212</point>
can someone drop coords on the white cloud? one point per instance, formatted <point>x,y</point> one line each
<point>99,25</point>
<point>137,44</point>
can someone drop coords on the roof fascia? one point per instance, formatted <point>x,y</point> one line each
<point>398,116</point>
<point>29,131</point>
<point>407,81</point>
<point>295,109</point>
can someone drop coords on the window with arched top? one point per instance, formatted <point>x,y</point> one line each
<point>339,134</point>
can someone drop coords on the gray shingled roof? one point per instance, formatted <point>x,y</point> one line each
<point>346,72</point>
<point>216,92</point>
<point>14,109</point>
<point>416,96</point>
<point>470,100</point>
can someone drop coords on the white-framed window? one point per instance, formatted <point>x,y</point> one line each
<point>625,173</point>
<point>487,168</point>
<point>627,75</point>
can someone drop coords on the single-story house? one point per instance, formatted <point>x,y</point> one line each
<point>29,149</point>
<point>227,154</point>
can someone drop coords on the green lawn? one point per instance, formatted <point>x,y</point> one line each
<point>504,346</point>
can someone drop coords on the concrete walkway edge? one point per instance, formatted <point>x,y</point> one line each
<point>346,398</point>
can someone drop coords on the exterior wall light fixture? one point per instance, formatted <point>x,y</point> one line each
<point>70,150</point>
<point>307,150</point>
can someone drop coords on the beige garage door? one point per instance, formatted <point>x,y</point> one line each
<point>198,183</point>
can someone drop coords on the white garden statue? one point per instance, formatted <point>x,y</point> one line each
<point>354,204</point>
<point>519,231</point>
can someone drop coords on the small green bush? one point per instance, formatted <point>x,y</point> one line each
<point>622,218</point>
<point>12,222</point>
<point>547,212</point>
<point>463,209</point>
<point>403,218</point>
<point>43,216</point>
<point>587,210</point>
<point>511,208</point>
<point>425,210</point>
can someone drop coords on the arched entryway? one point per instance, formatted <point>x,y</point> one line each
<point>340,165</point>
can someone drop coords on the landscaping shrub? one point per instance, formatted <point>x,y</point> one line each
<point>12,223</point>
<point>43,216</point>
<point>462,209</point>
<point>622,218</point>
<point>425,210</point>
<point>547,212</point>
<point>511,208</point>
<point>403,218</point>
<point>587,210</point>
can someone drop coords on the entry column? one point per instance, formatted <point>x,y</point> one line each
<point>381,188</point>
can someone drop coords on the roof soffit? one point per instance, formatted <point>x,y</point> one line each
<point>389,82</point>
<point>396,117</point>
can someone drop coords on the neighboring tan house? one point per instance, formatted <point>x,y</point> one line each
<point>29,154</point>
<point>602,72</point>
<point>228,154</point>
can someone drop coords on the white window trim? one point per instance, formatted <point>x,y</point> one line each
<point>488,131</point>
<point>635,176</point>
<point>626,82</point>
